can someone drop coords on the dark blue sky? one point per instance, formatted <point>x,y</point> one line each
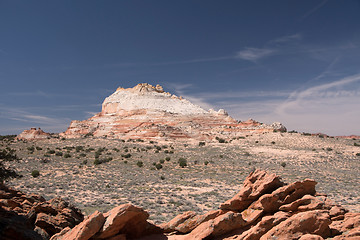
<point>296,62</point>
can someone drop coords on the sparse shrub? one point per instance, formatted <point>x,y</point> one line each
<point>79,148</point>
<point>58,153</point>
<point>82,155</point>
<point>158,166</point>
<point>221,156</point>
<point>126,155</point>
<point>283,164</point>
<point>88,135</point>
<point>182,162</point>
<point>140,164</point>
<point>206,163</point>
<point>35,173</point>
<point>31,149</point>
<point>97,162</point>
<point>126,150</point>
<point>38,148</point>
<point>256,141</point>
<point>356,144</point>
<point>329,149</point>
<point>125,161</point>
<point>166,151</point>
<point>157,151</point>
<point>358,154</point>
<point>67,155</point>
<point>116,150</point>
<point>84,162</point>
<point>50,151</point>
<point>162,160</point>
<point>167,158</point>
<point>158,148</point>
<point>148,147</point>
<point>162,177</point>
<point>201,144</point>
<point>272,142</point>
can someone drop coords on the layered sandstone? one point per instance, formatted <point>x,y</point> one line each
<point>264,208</point>
<point>145,111</point>
<point>33,134</point>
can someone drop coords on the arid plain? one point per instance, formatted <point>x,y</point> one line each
<point>148,174</point>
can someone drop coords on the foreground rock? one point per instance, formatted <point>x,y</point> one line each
<point>31,217</point>
<point>147,112</point>
<point>264,208</point>
<point>33,134</point>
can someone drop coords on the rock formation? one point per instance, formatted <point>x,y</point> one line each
<point>33,134</point>
<point>31,217</point>
<point>264,208</point>
<point>145,111</point>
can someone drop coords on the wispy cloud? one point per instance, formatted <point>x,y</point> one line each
<point>314,9</point>
<point>286,39</point>
<point>332,107</point>
<point>254,54</point>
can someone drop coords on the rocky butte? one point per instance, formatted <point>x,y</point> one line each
<point>148,112</point>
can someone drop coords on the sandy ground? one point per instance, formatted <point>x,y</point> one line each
<point>214,172</point>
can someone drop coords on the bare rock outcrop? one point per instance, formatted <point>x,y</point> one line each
<point>39,217</point>
<point>264,208</point>
<point>33,134</point>
<point>145,111</point>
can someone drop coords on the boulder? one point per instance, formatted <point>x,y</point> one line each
<point>126,219</point>
<point>256,184</point>
<point>83,231</point>
<point>309,222</point>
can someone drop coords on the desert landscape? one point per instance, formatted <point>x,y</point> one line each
<point>174,161</point>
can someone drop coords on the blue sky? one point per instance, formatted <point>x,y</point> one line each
<point>295,62</point>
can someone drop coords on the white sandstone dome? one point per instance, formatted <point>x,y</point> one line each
<point>147,97</point>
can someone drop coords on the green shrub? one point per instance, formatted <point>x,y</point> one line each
<point>31,149</point>
<point>356,144</point>
<point>140,164</point>
<point>201,144</point>
<point>79,148</point>
<point>67,155</point>
<point>50,151</point>
<point>82,155</point>
<point>38,148</point>
<point>329,149</point>
<point>162,177</point>
<point>272,142</point>
<point>35,173</point>
<point>84,162</point>
<point>158,166</point>
<point>97,162</point>
<point>126,155</point>
<point>283,164</point>
<point>162,160</point>
<point>358,154</point>
<point>88,135</point>
<point>182,162</point>
<point>206,163</point>
<point>167,158</point>
<point>58,153</point>
<point>221,156</point>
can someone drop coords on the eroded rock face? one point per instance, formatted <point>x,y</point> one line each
<point>41,218</point>
<point>145,111</point>
<point>271,209</point>
<point>33,134</point>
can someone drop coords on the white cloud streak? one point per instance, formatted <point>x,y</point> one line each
<point>254,54</point>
